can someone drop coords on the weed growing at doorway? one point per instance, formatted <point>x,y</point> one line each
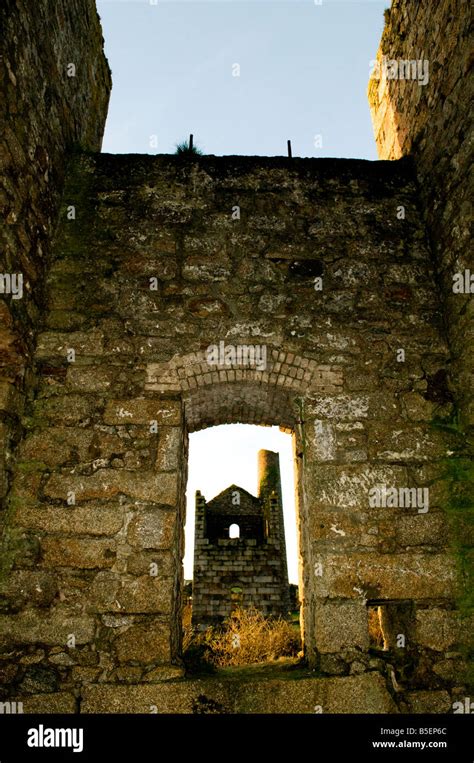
<point>245,638</point>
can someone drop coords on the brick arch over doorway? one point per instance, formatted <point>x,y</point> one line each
<point>233,391</point>
<point>240,402</point>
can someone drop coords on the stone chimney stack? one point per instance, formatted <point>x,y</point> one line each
<point>269,475</point>
<point>269,492</point>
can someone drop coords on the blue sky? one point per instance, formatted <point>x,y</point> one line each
<point>304,69</point>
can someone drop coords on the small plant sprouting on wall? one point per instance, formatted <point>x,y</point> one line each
<point>187,148</point>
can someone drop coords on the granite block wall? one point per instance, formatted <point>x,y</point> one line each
<point>55,85</point>
<point>167,263</point>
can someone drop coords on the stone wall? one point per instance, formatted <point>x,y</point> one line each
<point>310,260</point>
<point>55,85</point>
<point>432,122</point>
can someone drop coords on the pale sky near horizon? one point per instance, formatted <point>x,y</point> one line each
<point>304,69</point>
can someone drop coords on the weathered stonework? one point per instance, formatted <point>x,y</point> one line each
<point>107,428</point>
<point>55,85</point>
<point>310,263</point>
<point>432,123</point>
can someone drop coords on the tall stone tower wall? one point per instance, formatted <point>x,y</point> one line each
<point>433,122</point>
<point>55,85</point>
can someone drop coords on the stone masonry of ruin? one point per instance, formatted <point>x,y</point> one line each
<point>155,258</point>
<point>434,124</point>
<point>45,115</point>
<point>254,564</point>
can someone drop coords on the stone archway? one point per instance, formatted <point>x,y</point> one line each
<point>229,393</point>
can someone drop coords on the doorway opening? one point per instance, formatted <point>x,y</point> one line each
<point>241,560</point>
